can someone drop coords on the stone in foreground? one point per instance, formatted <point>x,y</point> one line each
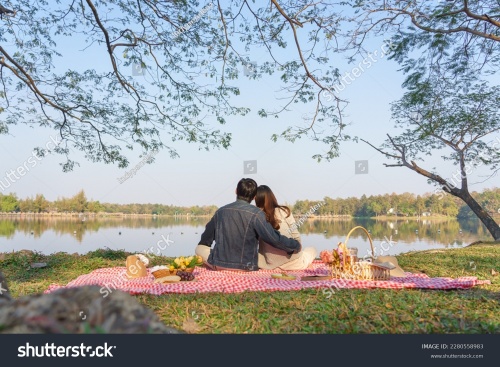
<point>78,310</point>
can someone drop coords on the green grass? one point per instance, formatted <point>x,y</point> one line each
<point>379,311</point>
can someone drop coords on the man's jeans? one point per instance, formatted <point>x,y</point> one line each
<point>204,252</point>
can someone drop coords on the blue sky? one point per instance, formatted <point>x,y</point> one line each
<point>206,178</point>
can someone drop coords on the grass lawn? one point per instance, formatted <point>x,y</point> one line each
<point>379,311</point>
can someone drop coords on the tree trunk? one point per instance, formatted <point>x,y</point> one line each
<point>462,193</point>
<point>487,220</point>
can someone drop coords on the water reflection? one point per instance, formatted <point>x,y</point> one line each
<point>77,234</point>
<point>402,235</point>
<point>442,231</point>
<point>79,226</point>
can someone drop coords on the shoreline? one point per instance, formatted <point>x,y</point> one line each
<point>103,215</point>
<point>99,215</point>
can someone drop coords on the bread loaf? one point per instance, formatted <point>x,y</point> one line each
<point>135,267</point>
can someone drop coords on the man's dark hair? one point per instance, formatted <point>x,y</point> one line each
<point>246,189</point>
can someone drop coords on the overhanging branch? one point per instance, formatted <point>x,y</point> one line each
<point>5,11</point>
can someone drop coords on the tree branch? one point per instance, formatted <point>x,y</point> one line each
<point>484,17</point>
<point>285,15</point>
<point>381,151</point>
<point>5,11</point>
<point>110,48</point>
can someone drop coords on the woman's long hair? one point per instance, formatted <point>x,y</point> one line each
<point>266,200</point>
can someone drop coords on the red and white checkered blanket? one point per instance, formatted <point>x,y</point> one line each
<point>206,280</point>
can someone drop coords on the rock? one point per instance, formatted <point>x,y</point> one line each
<point>38,265</point>
<point>4,290</point>
<point>78,310</point>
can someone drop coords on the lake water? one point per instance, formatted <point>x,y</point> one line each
<point>170,236</point>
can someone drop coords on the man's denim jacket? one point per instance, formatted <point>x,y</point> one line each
<point>236,229</point>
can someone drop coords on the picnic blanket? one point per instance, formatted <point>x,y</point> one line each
<point>206,281</point>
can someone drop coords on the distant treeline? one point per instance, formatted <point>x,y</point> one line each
<point>80,204</point>
<point>405,204</point>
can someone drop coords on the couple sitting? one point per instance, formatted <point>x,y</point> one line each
<point>249,237</point>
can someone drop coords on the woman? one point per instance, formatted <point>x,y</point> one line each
<point>281,218</point>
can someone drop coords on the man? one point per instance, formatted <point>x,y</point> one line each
<point>236,229</point>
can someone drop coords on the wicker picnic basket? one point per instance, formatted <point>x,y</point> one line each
<point>351,268</point>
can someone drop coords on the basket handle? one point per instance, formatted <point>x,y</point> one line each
<point>367,234</point>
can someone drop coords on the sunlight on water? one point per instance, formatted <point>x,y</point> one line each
<point>170,236</point>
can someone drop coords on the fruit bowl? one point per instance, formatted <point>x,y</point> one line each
<point>184,263</point>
